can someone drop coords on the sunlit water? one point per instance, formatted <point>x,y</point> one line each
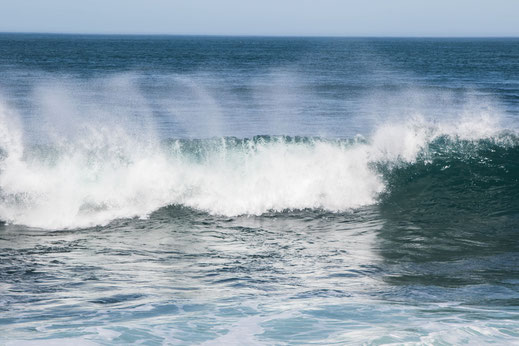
<point>191,190</point>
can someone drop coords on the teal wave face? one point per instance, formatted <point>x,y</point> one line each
<point>479,177</point>
<point>450,219</point>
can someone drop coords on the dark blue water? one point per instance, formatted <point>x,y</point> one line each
<point>237,190</point>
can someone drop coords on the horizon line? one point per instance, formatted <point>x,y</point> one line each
<point>250,35</point>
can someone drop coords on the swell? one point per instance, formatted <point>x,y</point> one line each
<point>450,218</point>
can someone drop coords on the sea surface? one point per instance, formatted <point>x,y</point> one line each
<point>258,191</point>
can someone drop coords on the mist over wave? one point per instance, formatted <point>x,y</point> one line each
<point>106,172</point>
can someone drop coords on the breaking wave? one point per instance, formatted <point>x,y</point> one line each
<point>107,173</point>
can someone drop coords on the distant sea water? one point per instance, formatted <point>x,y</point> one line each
<point>250,191</point>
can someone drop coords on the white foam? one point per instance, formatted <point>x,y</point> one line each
<point>80,341</point>
<point>243,332</point>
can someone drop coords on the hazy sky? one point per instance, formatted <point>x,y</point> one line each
<point>265,17</point>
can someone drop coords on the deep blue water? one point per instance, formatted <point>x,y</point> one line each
<point>249,190</point>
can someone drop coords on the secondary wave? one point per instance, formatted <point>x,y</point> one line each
<point>106,173</point>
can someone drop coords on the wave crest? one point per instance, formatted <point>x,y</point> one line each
<point>107,174</point>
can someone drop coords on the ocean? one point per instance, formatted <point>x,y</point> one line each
<point>194,190</point>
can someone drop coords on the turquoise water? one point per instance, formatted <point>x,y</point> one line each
<point>236,190</point>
